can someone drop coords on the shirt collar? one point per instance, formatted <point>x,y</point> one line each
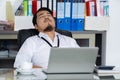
<point>41,34</point>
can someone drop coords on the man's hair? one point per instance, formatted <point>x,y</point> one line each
<point>41,9</point>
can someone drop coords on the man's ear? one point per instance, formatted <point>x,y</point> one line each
<point>36,27</point>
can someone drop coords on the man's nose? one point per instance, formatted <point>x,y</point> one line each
<point>46,19</point>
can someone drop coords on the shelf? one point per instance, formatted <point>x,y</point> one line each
<point>6,58</point>
<point>8,34</point>
<point>13,34</point>
<point>88,32</point>
<point>91,35</point>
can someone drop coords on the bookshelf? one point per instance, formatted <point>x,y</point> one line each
<point>8,40</point>
<point>94,13</point>
<point>94,33</point>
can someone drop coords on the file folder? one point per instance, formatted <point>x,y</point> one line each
<point>74,15</point>
<point>91,8</point>
<point>60,14</point>
<point>106,8</point>
<point>67,15</point>
<point>44,3</point>
<point>98,7</point>
<point>34,6</point>
<point>50,4</point>
<point>25,4</point>
<point>81,14</point>
<point>95,7</point>
<point>29,8</point>
<point>87,8</point>
<point>38,4</point>
<point>54,8</point>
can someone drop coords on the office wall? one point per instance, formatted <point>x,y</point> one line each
<point>113,35</point>
<point>12,1</point>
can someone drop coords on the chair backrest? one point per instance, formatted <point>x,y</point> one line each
<point>25,33</point>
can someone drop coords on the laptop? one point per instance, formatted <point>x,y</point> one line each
<point>72,60</point>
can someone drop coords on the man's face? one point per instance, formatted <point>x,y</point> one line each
<point>45,21</point>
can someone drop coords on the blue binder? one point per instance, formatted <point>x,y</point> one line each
<point>29,8</point>
<point>60,14</point>
<point>81,15</point>
<point>74,16</point>
<point>67,19</point>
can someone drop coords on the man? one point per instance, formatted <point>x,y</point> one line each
<point>36,49</point>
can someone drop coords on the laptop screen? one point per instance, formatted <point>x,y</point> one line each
<point>72,60</point>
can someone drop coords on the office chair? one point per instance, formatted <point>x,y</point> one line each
<point>23,34</point>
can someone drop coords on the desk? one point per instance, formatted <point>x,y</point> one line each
<point>9,74</point>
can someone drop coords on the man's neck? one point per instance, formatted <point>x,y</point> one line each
<point>51,34</point>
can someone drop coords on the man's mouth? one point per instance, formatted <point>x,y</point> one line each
<point>48,28</point>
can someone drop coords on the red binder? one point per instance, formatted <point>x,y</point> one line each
<point>87,8</point>
<point>95,9</point>
<point>34,6</point>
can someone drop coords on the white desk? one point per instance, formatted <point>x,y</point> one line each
<point>10,74</point>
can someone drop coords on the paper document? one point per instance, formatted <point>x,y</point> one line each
<point>107,71</point>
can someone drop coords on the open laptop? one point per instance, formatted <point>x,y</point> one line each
<point>72,60</point>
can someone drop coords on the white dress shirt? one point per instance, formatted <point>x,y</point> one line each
<point>37,51</point>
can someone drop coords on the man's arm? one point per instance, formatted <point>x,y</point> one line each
<point>34,66</point>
